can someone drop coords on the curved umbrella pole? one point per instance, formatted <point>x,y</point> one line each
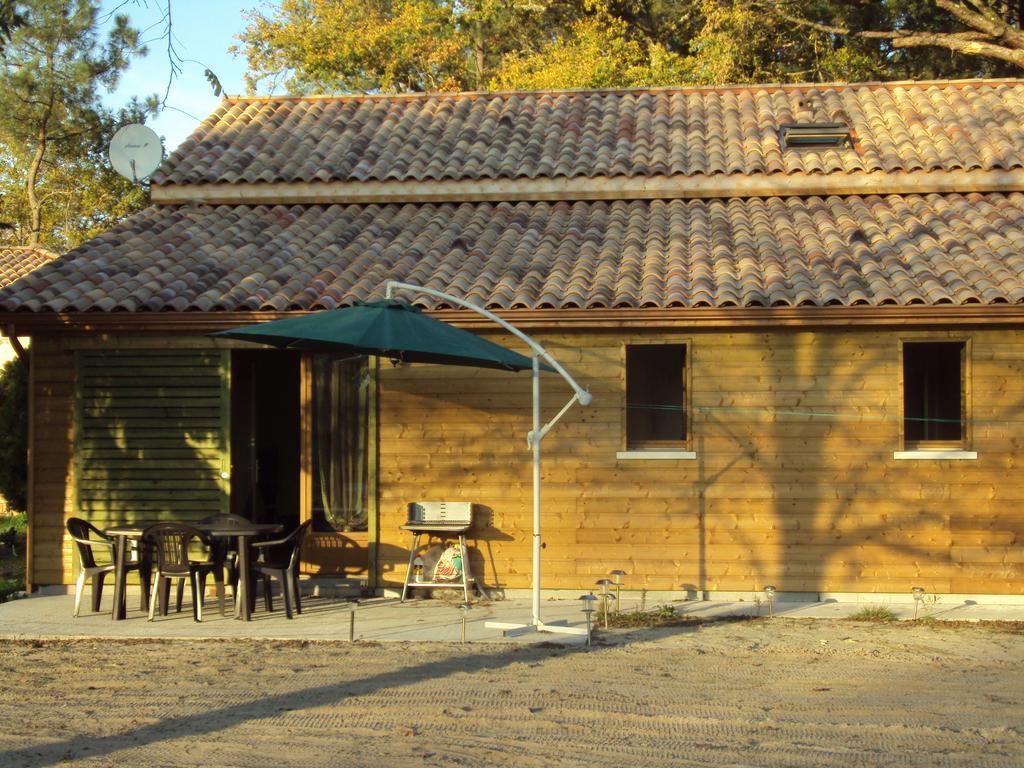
<point>533,440</point>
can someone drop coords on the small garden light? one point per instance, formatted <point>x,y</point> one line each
<point>587,602</point>
<point>769,595</point>
<point>918,593</point>
<point>617,577</point>
<point>604,584</point>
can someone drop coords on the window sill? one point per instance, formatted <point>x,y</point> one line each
<point>935,454</point>
<point>630,455</point>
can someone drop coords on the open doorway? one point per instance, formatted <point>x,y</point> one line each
<point>265,436</point>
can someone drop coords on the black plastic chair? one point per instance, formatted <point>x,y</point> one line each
<point>223,549</point>
<point>88,538</point>
<point>172,542</point>
<point>279,559</point>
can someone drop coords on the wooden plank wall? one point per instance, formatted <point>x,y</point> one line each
<point>150,435</point>
<point>50,497</point>
<point>794,482</point>
<point>148,438</point>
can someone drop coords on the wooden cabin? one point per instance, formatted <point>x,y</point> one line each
<point>798,308</point>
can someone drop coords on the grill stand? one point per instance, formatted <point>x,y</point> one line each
<point>533,440</point>
<point>414,548</point>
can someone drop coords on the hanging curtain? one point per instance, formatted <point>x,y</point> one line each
<point>341,403</point>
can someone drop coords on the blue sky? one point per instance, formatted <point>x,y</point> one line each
<point>203,31</point>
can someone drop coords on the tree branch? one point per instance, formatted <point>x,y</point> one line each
<point>967,47</point>
<point>986,20</point>
<point>872,34</point>
<point>172,55</point>
<point>991,38</point>
<point>43,200</point>
<point>977,19</point>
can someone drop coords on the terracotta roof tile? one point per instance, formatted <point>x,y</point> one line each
<point>898,127</point>
<point>18,261</point>
<point>815,251</point>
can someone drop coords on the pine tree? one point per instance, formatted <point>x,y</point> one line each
<point>53,127</point>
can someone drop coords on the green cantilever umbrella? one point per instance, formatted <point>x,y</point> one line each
<point>386,328</point>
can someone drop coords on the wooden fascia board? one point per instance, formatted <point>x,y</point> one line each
<point>596,188</point>
<point>89,323</point>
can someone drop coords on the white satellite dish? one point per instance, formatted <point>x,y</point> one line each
<point>135,152</point>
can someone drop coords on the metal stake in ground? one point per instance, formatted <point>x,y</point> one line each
<point>587,602</point>
<point>352,623</point>
<point>464,608</point>
<point>604,584</point>
<point>617,576</point>
<point>918,593</point>
<point>769,594</point>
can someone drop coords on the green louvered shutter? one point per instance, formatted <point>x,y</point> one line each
<point>151,435</point>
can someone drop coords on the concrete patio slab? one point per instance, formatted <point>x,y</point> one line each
<point>386,619</point>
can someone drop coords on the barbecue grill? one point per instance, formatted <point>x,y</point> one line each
<point>442,520</point>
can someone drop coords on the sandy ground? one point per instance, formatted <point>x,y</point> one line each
<point>781,692</point>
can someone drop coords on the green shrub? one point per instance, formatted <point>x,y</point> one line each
<point>9,585</point>
<point>14,434</point>
<point>12,559</point>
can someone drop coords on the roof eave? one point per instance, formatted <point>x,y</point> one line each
<point>652,318</point>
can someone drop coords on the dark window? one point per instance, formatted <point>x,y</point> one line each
<point>933,394</point>
<point>655,411</point>
<point>815,135</point>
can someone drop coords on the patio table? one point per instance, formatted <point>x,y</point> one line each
<point>242,533</point>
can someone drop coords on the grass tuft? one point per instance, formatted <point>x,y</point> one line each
<point>661,616</point>
<point>873,613</point>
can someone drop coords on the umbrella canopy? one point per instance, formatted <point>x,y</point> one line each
<point>386,328</point>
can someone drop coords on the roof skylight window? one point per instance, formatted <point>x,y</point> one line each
<point>815,135</point>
